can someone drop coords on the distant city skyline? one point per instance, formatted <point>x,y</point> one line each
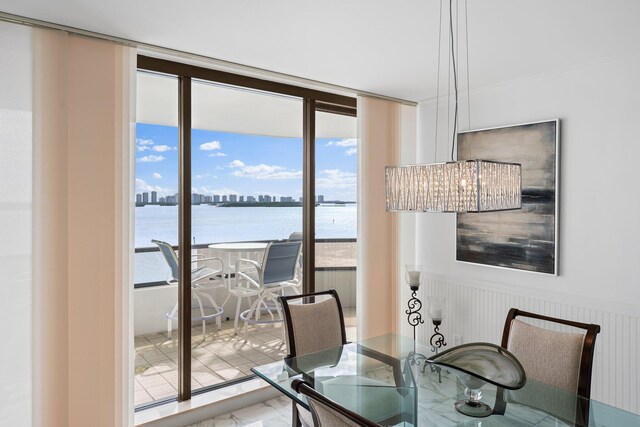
<point>151,198</point>
<point>225,164</point>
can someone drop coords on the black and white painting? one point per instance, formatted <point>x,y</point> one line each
<point>523,239</point>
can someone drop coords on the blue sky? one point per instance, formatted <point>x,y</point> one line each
<point>227,163</point>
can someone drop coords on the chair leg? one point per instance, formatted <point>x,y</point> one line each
<point>197,297</point>
<point>295,417</point>
<point>172,314</point>
<point>235,321</point>
<point>216,307</point>
<point>253,311</point>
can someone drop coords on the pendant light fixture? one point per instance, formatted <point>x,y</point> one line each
<point>454,186</point>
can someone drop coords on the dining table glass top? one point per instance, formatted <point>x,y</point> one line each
<point>379,379</point>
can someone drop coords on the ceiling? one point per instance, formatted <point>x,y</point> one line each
<point>228,109</point>
<point>387,47</point>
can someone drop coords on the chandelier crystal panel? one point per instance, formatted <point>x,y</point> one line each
<point>462,186</point>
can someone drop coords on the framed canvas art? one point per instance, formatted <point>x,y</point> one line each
<point>525,239</point>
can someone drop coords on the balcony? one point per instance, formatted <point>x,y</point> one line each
<point>219,356</point>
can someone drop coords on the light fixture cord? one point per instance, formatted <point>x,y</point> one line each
<point>435,144</point>
<point>466,32</point>
<point>455,79</point>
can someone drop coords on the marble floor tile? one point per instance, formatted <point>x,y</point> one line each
<point>272,413</point>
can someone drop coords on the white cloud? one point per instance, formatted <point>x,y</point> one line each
<point>142,186</point>
<point>263,171</point>
<point>335,178</point>
<point>351,151</point>
<point>217,154</point>
<point>151,158</point>
<point>163,148</point>
<point>156,175</point>
<point>348,142</point>
<point>208,146</point>
<point>144,148</point>
<point>141,141</point>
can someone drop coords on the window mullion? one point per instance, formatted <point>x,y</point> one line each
<point>184,241</point>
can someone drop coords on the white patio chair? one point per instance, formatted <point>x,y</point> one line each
<point>268,279</point>
<point>203,280</point>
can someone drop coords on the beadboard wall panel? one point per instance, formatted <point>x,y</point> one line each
<point>477,313</point>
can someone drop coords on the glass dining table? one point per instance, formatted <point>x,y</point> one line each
<point>379,379</point>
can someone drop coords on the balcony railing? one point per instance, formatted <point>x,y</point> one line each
<point>331,254</point>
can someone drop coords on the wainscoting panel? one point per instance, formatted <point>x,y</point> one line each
<point>476,312</point>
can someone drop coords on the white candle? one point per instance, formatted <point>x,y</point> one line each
<point>414,278</point>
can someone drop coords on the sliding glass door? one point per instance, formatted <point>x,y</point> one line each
<point>246,180</point>
<point>226,178</point>
<point>336,154</point>
<point>156,220</point>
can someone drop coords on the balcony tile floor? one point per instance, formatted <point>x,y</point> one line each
<point>221,356</point>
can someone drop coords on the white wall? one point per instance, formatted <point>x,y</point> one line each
<point>599,256</point>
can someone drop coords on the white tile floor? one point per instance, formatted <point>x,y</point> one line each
<point>220,357</point>
<point>272,413</point>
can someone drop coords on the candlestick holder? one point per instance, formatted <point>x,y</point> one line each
<point>413,277</point>
<point>436,309</point>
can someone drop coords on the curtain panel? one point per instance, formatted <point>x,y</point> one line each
<point>385,129</point>
<point>82,188</point>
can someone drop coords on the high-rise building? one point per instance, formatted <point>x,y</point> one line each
<point>267,198</point>
<point>251,199</point>
<point>261,198</point>
<point>162,200</point>
<point>300,200</point>
<point>207,199</point>
<point>216,199</point>
<point>320,198</point>
<point>154,197</point>
<point>145,197</point>
<point>233,198</point>
<point>286,199</point>
<point>138,198</point>
<point>224,199</point>
<point>241,199</point>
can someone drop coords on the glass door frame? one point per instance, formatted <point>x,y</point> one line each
<point>313,101</point>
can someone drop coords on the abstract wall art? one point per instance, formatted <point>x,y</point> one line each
<point>525,239</point>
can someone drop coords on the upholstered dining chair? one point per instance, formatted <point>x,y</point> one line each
<point>560,359</point>
<point>327,413</point>
<point>314,325</point>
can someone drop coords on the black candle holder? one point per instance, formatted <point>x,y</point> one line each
<point>437,340</point>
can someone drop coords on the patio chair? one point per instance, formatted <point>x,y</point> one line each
<point>296,236</point>
<point>203,280</point>
<point>268,279</point>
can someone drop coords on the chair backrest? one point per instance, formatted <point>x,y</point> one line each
<point>313,326</point>
<point>280,261</point>
<point>295,236</point>
<point>170,256</point>
<point>326,412</point>
<point>561,359</point>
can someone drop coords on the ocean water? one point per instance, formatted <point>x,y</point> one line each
<point>211,224</point>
